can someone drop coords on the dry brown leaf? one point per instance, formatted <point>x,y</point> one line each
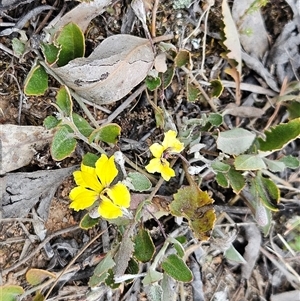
<point>20,143</point>
<point>82,14</point>
<point>115,67</point>
<point>160,63</point>
<point>251,28</point>
<point>243,111</point>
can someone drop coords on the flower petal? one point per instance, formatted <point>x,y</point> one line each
<point>172,143</point>
<point>106,169</point>
<point>154,165</point>
<point>120,195</point>
<point>167,172</point>
<point>87,178</point>
<point>157,150</point>
<point>109,210</point>
<point>82,198</point>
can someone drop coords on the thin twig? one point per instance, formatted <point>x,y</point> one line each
<point>72,261</point>
<point>40,246</point>
<point>153,22</point>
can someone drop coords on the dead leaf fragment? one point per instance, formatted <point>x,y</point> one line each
<point>115,67</point>
<point>251,27</point>
<point>243,111</point>
<point>20,143</point>
<point>82,14</point>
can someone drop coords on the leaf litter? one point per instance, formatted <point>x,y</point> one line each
<point>247,244</point>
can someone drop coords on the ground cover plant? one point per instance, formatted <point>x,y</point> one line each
<point>150,150</point>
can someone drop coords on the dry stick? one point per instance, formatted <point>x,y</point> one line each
<point>153,22</point>
<point>41,245</point>
<point>42,24</point>
<point>271,119</point>
<point>73,260</point>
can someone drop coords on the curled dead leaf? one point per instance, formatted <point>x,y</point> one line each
<point>114,68</point>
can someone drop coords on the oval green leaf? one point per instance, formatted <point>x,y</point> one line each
<point>37,276</point>
<point>235,141</point>
<point>175,267</point>
<point>82,125</point>
<point>108,133</point>
<point>152,83</point>
<point>143,246</point>
<point>249,162</point>
<point>71,40</point>
<point>10,292</point>
<point>139,181</point>
<point>87,222</point>
<point>277,137</point>
<point>63,143</point>
<point>36,82</point>
<point>64,100</point>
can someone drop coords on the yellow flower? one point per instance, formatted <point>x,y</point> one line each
<point>170,145</point>
<point>95,184</point>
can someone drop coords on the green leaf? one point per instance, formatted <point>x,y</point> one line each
<point>89,159</point>
<point>277,137</point>
<point>96,281</point>
<point>293,109</point>
<point>167,77</point>
<point>152,276</point>
<point>139,181</point>
<point>36,82</point>
<point>177,245</point>
<point>154,293</point>
<point>222,180</point>
<point>274,166</point>
<point>143,246</point>
<point>38,297</point>
<point>87,222</point>
<point>152,83</point>
<point>10,292</point>
<point>104,265</point>
<point>132,269</point>
<point>249,162</point>
<point>216,88</point>
<point>235,141</point>
<point>108,133</point>
<point>236,180</point>
<point>266,191</point>
<point>215,119</point>
<point>71,40</point>
<point>109,281</point>
<point>195,205</point>
<point>37,276</point>
<point>82,125</point>
<point>192,92</point>
<point>51,122</point>
<point>182,58</point>
<point>232,254</point>
<point>18,46</point>
<point>64,100</point>
<point>219,166</point>
<point>290,162</point>
<point>175,267</point>
<point>63,143</point>
<point>50,53</point>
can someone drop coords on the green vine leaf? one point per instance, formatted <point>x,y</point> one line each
<point>175,267</point>
<point>108,133</point>
<point>277,137</point>
<point>10,292</point>
<point>87,222</point>
<point>64,100</point>
<point>82,125</point>
<point>143,246</point>
<point>71,41</point>
<point>195,205</point>
<point>249,162</point>
<point>63,143</point>
<point>37,276</point>
<point>36,82</point>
